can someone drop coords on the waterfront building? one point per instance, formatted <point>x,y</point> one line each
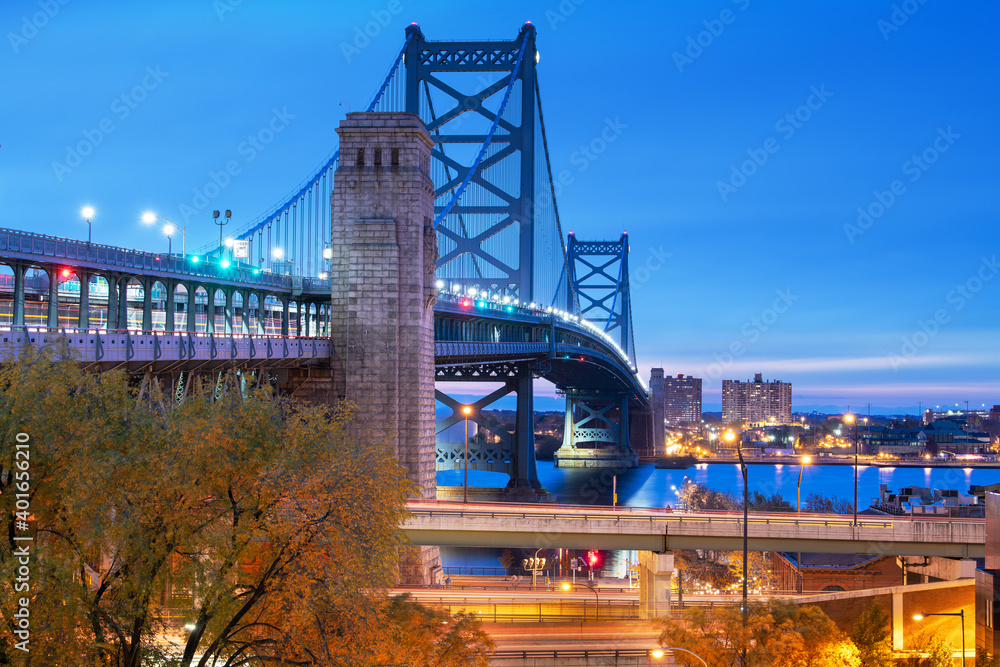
<point>756,402</point>
<point>682,400</point>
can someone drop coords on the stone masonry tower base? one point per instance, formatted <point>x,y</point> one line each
<point>383,295</point>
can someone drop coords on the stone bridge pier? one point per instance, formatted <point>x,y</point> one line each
<point>383,295</point>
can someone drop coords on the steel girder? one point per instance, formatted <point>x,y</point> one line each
<point>598,273</point>
<point>506,207</point>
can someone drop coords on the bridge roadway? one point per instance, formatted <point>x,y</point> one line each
<point>649,529</point>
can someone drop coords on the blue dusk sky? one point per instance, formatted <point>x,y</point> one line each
<point>810,189</point>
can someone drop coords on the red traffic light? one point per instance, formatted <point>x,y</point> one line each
<point>592,558</point>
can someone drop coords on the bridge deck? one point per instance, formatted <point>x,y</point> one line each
<point>578,527</point>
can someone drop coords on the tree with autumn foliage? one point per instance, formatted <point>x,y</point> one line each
<point>232,528</point>
<point>778,633</point>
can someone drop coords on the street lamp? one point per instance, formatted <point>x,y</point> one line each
<point>729,437</point>
<point>659,653</point>
<point>803,462</point>
<point>566,586</point>
<point>215,219</point>
<point>466,411</point>
<point>960,613</point>
<point>87,212</point>
<point>149,218</point>
<point>851,419</point>
<point>534,564</point>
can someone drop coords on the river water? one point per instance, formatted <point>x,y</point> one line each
<point>646,486</point>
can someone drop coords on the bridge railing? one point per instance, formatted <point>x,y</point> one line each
<point>54,248</point>
<point>662,515</point>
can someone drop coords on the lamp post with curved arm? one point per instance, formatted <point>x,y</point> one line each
<point>851,419</point>
<point>169,228</point>
<point>566,586</point>
<point>730,437</point>
<point>960,613</point>
<point>660,652</point>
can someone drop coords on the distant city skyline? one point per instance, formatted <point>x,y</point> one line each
<point>809,191</point>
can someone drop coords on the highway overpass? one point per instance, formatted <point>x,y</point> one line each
<point>656,530</point>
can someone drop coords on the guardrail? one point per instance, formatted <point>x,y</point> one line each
<point>96,346</point>
<point>661,515</point>
<point>58,248</point>
<point>577,653</point>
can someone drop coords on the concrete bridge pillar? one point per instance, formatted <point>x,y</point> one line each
<point>171,306</point>
<point>191,288</point>
<point>113,280</point>
<point>83,320</point>
<point>19,271</point>
<point>261,314</point>
<point>52,319</point>
<point>246,313</point>
<point>147,303</point>
<point>229,310</point>
<point>655,573</point>
<point>383,294</point>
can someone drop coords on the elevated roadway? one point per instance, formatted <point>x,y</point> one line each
<point>649,529</point>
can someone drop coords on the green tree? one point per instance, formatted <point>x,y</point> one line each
<point>774,634</point>
<point>987,659</point>
<point>821,504</point>
<point>270,530</point>
<point>939,654</point>
<point>873,637</point>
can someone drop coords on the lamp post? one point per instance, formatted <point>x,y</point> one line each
<point>960,613</point>
<point>851,419</point>
<point>803,462</point>
<point>730,437</point>
<point>660,652</point>
<point>215,219</point>
<point>87,212</point>
<point>566,586</point>
<point>466,411</point>
<point>149,218</point>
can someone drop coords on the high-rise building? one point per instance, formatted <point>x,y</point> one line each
<point>656,401</point>
<point>756,402</point>
<point>682,400</point>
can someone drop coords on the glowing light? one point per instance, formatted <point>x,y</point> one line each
<point>466,303</point>
<point>66,273</point>
<point>466,410</point>
<point>481,304</point>
<point>566,586</point>
<point>439,284</point>
<point>195,259</point>
<point>149,217</point>
<point>228,243</point>
<point>224,263</point>
<point>277,253</point>
<point>328,254</point>
<point>169,229</point>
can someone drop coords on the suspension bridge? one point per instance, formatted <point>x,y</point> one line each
<point>514,298</point>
